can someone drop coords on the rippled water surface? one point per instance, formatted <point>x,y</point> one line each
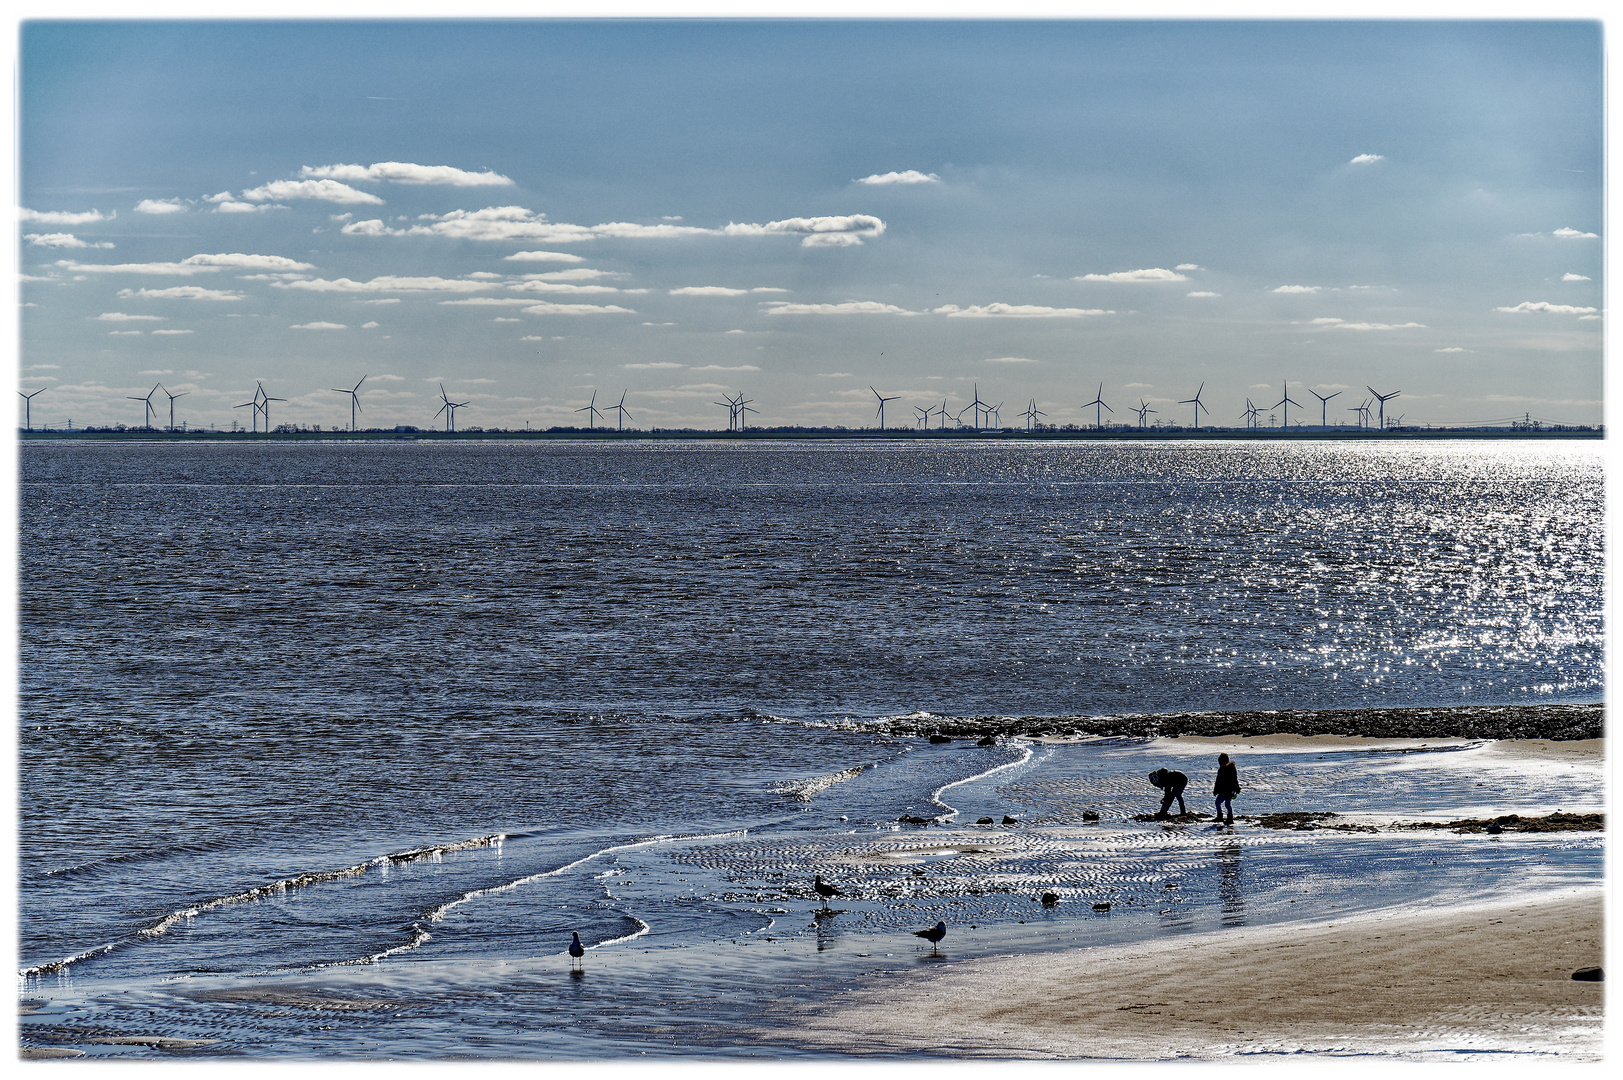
<point>384,722</point>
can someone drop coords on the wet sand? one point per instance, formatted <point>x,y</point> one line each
<point>1410,984</point>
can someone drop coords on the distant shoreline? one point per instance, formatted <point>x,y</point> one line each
<point>830,434</point>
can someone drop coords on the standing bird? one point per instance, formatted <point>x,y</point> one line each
<point>825,890</point>
<point>576,950</point>
<point>933,935</point>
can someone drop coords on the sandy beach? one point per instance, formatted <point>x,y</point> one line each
<point>1411,984</point>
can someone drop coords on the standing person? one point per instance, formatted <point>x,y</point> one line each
<point>1171,784</point>
<point>1227,786</point>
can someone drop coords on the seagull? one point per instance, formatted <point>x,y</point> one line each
<point>934,934</point>
<point>824,889</point>
<point>576,949</point>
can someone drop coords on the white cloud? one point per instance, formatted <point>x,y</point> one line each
<point>1016,311</point>
<point>374,325</point>
<point>233,207</point>
<point>708,290</point>
<point>724,331</point>
<point>1573,277</point>
<point>559,287</point>
<point>1009,360</point>
<point>1291,290</point>
<point>160,206</point>
<point>325,190</point>
<point>196,264</point>
<point>835,375</point>
<point>1451,348</point>
<point>63,240</point>
<point>386,300</point>
<point>1367,159</point>
<point>911,176</point>
<point>1573,234</point>
<point>402,172</point>
<point>768,288</point>
<point>849,307</point>
<point>817,231</point>
<point>504,318</point>
<point>122,333</point>
<point>721,367</point>
<point>579,273</point>
<point>155,333</point>
<point>43,367</point>
<point>387,283</point>
<point>659,365</point>
<point>119,316</point>
<point>62,217</point>
<point>1188,266</point>
<point>1342,324</point>
<point>319,326</point>
<point>631,230</point>
<point>533,337</point>
<point>576,309</point>
<point>1134,276</point>
<point>180,292</point>
<point>1203,293</point>
<point>491,223</point>
<point>544,256</point>
<point>1544,306</point>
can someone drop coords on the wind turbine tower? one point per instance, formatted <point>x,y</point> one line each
<point>1143,412</point>
<point>172,398</point>
<point>620,410</point>
<point>881,414</point>
<point>1098,403</point>
<point>150,411</point>
<point>1383,398</point>
<point>1287,402</point>
<point>1196,402</point>
<point>592,412</point>
<point>1324,406</point>
<point>28,408</point>
<point>1031,413</point>
<point>354,399</point>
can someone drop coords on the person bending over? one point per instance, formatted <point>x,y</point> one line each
<point>1171,784</point>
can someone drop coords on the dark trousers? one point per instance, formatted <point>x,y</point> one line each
<point>1169,793</point>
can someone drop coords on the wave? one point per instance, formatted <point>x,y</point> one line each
<point>804,790</point>
<point>935,796</point>
<point>260,892</point>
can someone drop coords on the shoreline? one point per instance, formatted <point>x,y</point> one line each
<point>1541,722</point>
<point>1478,981</point>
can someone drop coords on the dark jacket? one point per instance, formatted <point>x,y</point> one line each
<point>1228,781</point>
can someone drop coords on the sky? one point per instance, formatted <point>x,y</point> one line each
<point>665,213</point>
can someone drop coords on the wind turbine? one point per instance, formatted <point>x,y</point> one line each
<point>1324,405</point>
<point>592,412</point>
<point>172,398</point>
<point>994,411</point>
<point>1384,398</point>
<point>354,399</point>
<point>264,400</point>
<point>1196,402</point>
<point>254,422</point>
<point>943,414</point>
<point>732,411</point>
<point>1143,412</point>
<point>1249,415</point>
<point>881,414</point>
<point>1099,403</point>
<point>449,409</point>
<point>1287,402</point>
<point>978,405</point>
<point>1031,413</point>
<point>620,409</point>
<point>150,411</point>
<point>743,407</point>
<point>923,417</point>
<point>28,409</point>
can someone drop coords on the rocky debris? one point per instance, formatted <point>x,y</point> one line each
<point>913,819</point>
<point>1101,907</point>
<point>1556,822</point>
<point>988,740</point>
<point>1007,820</point>
<point>1090,815</point>
<point>985,821</point>
<point>1544,721</point>
<point>1177,818</point>
<point>937,737</point>
<point>1050,899</point>
<point>1593,974</point>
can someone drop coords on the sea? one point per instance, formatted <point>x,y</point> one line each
<point>326,749</point>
